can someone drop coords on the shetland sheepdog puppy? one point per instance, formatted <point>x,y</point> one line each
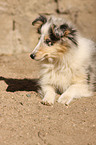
<point>68,61</point>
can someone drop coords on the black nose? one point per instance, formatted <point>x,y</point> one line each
<point>32,56</point>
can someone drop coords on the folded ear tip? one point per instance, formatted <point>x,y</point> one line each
<point>41,18</point>
<point>33,22</point>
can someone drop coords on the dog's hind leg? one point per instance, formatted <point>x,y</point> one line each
<point>49,95</point>
<point>75,91</point>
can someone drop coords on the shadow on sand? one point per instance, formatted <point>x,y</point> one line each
<point>21,84</point>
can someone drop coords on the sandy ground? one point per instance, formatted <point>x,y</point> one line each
<point>25,121</point>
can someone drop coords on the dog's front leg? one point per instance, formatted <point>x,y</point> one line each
<point>75,91</point>
<point>49,95</point>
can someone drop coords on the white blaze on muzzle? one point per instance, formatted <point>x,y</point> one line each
<point>38,45</point>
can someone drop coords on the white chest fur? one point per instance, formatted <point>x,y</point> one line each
<point>59,76</point>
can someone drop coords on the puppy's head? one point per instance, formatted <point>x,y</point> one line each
<point>56,38</point>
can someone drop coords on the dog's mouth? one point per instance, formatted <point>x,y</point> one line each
<point>41,59</point>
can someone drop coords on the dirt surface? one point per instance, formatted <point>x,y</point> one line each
<point>25,121</point>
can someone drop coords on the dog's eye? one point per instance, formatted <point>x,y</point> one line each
<point>48,42</point>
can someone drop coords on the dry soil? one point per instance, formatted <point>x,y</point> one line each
<point>25,121</point>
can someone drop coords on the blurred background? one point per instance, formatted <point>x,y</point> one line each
<point>17,35</point>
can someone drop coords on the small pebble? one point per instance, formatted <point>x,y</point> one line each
<point>21,103</point>
<point>93,125</point>
<point>28,95</point>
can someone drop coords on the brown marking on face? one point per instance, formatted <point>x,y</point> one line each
<point>66,32</point>
<point>46,37</point>
<point>54,51</point>
<point>62,49</point>
<point>40,53</point>
<point>44,52</point>
<point>53,28</point>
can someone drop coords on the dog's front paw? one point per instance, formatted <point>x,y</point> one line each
<point>47,101</point>
<point>65,99</point>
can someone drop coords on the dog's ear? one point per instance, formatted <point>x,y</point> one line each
<point>59,31</point>
<point>64,31</point>
<point>39,21</point>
